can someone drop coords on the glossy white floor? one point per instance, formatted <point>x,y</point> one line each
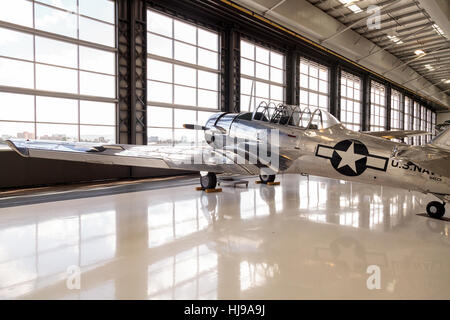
<point>307,238</point>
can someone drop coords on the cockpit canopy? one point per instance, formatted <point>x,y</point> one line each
<point>294,116</point>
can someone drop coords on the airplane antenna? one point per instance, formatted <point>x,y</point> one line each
<point>251,95</point>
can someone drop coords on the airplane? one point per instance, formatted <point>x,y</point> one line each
<point>275,139</point>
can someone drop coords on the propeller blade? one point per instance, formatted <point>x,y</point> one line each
<point>194,127</point>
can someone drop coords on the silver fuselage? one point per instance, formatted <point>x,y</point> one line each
<point>313,153</point>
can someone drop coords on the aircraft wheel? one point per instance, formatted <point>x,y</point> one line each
<point>208,181</point>
<point>435,209</point>
<point>267,178</point>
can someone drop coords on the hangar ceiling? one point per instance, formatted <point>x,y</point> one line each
<point>410,45</point>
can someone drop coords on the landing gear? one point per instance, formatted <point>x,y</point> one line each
<point>265,178</point>
<point>208,180</point>
<point>436,209</point>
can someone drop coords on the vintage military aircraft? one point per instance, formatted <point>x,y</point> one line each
<point>280,139</point>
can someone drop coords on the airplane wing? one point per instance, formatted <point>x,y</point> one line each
<point>396,134</point>
<point>202,158</point>
<point>428,156</point>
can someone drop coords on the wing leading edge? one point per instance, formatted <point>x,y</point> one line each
<point>396,134</point>
<point>184,158</point>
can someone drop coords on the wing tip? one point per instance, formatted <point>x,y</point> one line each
<point>23,151</point>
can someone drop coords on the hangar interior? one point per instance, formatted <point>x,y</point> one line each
<point>133,72</point>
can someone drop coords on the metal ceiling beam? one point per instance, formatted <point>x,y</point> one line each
<point>415,59</point>
<point>423,75</point>
<point>364,9</point>
<point>365,34</point>
<point>388,46</point>
<point>433,64</point>
<point>432,54</point>
<point>420,31</point>
<point>422,43</point>
<point>393,19</point>
<point>412,48</point>
<point>399,8</point>
<point>279,3</point>
<point>354,23</point>
<point>404,53</point>
<point>434,59</point>
<point>444,91</point>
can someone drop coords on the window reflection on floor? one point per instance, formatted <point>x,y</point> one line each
<point>34,253</point>
<point>191,274</point>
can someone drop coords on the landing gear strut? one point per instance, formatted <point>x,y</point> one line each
<point>436,209</point>
<point>267,178</point>
<point>208,180</point>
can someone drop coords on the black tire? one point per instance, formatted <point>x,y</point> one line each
<point>435,209</point>
<point>208,181</point>
<point>267,178</point>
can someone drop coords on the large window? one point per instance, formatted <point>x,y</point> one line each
<point>314,85</point>
<point>57,75</point>
<point>416,121</point>
<point>183,78</point>
<point>396,111</point>
<point>433,124</point>
<point>262,76</point>
<point>351,101</point>
<point>377,106</point>
<point>408,120</point>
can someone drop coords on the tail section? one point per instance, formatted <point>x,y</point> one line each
<point>442,140</point>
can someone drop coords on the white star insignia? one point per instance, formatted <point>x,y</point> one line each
<point>349,157</point>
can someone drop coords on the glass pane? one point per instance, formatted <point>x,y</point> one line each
<point>97,85</point>
<point>313,84</point>
<point>56,52</point>
<point>16,44</point>
<point>208,39</point>
<point>186,76</point>
<point>247,50</point>
<point>276,93</point>
<point>303,81</point>
<point>276,60</point>
<point>276,75</point>
<point>208,59</point>
<point>246,86</point>
<point>158,136</point>
<point>158,70</point>
<point>97,60</point>
<point>185,32</point>
<point>56,110</point>
<point>185,52</point>
<point>92,112</point>
<point>185,96</point>
<point>98,9</point>
<point>16,130</point>
<point>17,12</point>
<point>159,23</point>
<point>101,134</point>
<point>323,86</point>
<point>159,92</point>
<point>70,5</point>
<point>262,71</point>
<point>262,89</point>
<point>185,137</point>
<point>208,99</point>
<point>184,116</point>
<point>16,107</point>
<point>203,117</point>
<point>247,67</point>
<point>62,132</point>
<point>159,117</point>
<point>323,74</point>
<point>16,73</point>
<point>159,46</point>
<point>262,55</point>
<point>97,32</point>
<point>208,80</point>
<point>55,21</point>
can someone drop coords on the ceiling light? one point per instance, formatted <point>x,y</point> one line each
<point>395,39</point>
<point>347,1</point>
<point>355,8</point>
<point>447,81</point>
<point>429,67</point>
<point>438,30</point>
<point>419,52</point>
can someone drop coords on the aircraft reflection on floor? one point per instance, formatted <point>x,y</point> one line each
<point>307,238</point>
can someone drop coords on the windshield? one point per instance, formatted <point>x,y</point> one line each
<point>288,115</point>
